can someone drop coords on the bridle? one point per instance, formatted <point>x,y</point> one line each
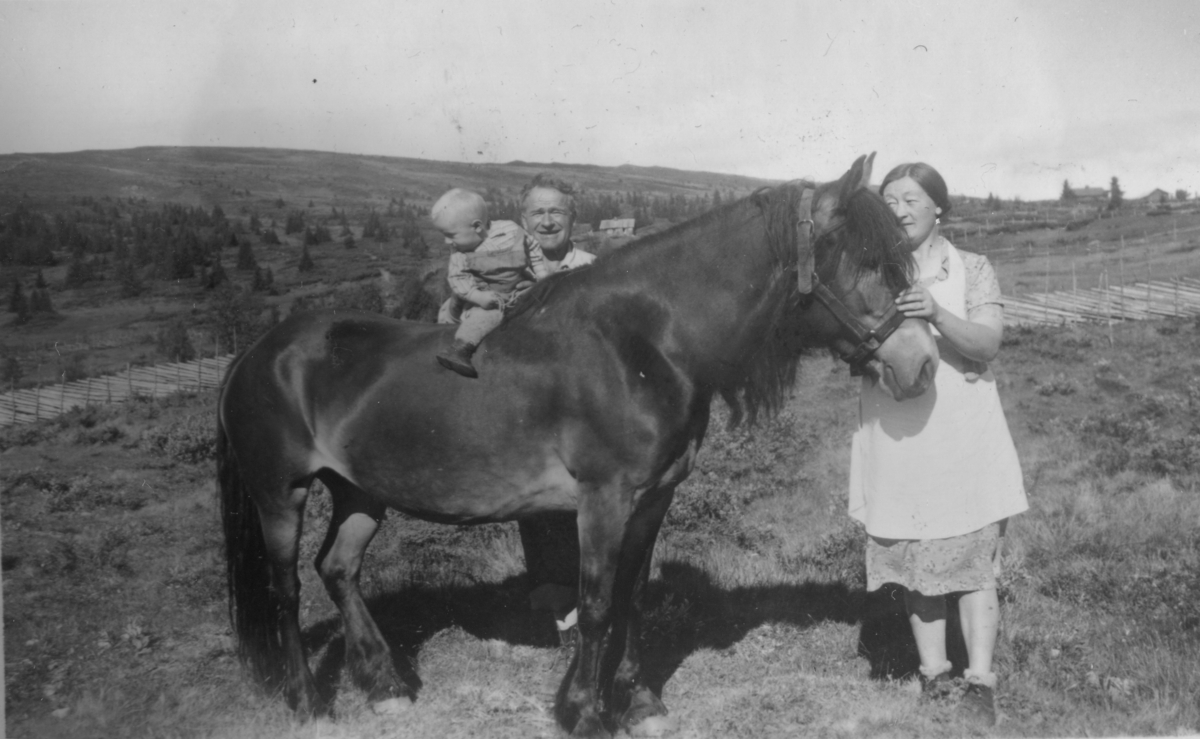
<point>865,341</point>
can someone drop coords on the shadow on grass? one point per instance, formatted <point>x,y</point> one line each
<point>885,637</point>
<point>407,618</point>
<point>684,612</point>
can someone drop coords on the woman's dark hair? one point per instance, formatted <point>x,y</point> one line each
<point>925,176</point>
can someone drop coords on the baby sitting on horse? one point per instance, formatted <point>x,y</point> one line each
<point>492,264</point>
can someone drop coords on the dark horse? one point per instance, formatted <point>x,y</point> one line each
<point>593,397</point>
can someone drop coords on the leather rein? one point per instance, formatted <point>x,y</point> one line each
<point>865,340</point>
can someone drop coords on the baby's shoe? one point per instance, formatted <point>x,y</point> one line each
<point>458,358</point>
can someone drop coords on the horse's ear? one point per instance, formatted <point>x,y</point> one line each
<point>868,165</point>
<point>858,176</point>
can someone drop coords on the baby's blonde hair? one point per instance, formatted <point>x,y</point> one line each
<point>460,203</point>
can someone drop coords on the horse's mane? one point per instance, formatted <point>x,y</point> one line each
<point>781,228</point>
<point>762,378</point>
<point>865,222</point>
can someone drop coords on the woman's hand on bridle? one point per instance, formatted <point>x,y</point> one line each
<point>917,302</point>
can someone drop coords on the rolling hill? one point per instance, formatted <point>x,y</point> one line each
<point>199,176</point>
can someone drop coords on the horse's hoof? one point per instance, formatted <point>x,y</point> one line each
<point>653,726</point>
<point>590,727</point>
<point>307,706</point>
<point>392,706</point>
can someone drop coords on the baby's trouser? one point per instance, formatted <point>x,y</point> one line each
<point>451,310</point>
<point>477,323</point>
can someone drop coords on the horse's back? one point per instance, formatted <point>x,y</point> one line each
<point>317,360</point>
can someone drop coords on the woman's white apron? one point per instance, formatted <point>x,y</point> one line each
<point>942,464</point>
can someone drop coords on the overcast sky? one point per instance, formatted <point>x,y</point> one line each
<point>1007,96</point>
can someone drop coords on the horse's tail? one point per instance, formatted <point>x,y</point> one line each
<point>254,610</point>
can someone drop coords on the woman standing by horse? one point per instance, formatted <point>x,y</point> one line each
<point>935,478</point>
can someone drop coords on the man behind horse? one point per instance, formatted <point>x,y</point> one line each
<point>551,540</point>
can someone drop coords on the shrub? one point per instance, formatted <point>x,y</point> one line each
<point>79,272</point>
<point>11,371</point>
<point>106,434</point>
<point>67,497</point>
<point>76,367</point>
<point>174,342</point>
<point>191,441</point>
<point>237,317</point>
<point>1059,384</point>
<point>113,550</point>
<point>264,280</point>
<point>294,223</point>
<point>246,260</point>
<point>129,279</point>
<point>364,297</point>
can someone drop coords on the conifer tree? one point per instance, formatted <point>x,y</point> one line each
<point>1115,197</point>
<point>129,280</point>
<point>306,262</point>
<point>11,372</point>
<point>246,260</point>
<point>18,303</point>
<point>216,275</point>
<point>263,280</point>
<point>39,301</point>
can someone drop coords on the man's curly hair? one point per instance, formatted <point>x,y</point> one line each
<point>550,182</point>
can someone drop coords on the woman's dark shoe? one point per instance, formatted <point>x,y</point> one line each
<point>940,687</point>
<point>979,704</point>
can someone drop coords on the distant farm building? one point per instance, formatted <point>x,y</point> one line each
<point>1157,195</point>
<point>1091,194</point>
<point>616,227</point>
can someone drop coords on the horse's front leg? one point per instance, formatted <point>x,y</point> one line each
<point>642,712</point>
<point>353,524</point>
<point>603,513</point>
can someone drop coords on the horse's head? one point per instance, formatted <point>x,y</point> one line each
<point>860,264</point>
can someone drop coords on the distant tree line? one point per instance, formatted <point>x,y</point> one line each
<point>134,241</point>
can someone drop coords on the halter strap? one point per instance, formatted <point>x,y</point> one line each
<point>806,273</point>
<point>866,340</point>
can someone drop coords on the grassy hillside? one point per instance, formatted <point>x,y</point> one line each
<point>88,224</point>
<point>116,625</point>
<point>87,220</point>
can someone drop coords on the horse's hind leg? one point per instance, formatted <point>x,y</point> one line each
<point>355,520</point>
<point>281,525</point>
